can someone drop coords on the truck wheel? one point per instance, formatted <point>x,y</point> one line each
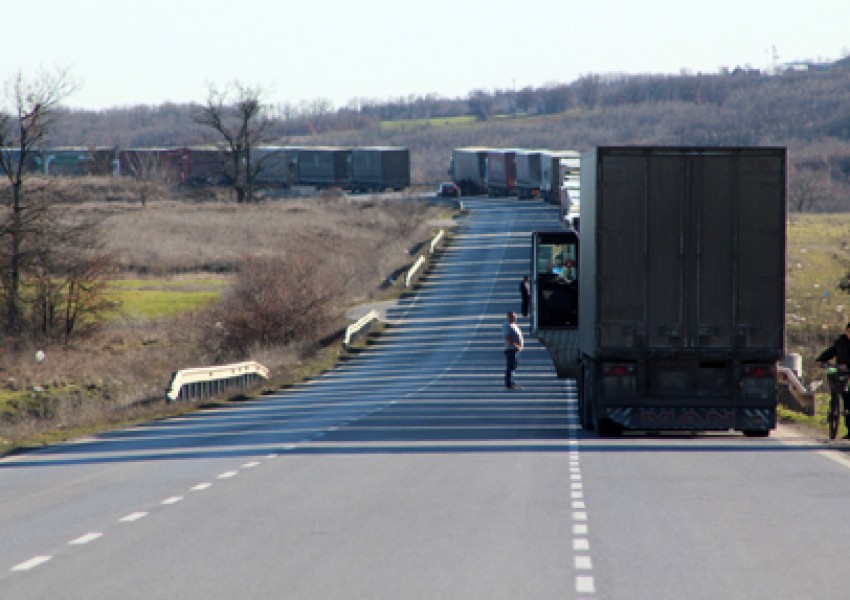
<point>585,406</point>
<point>756,432</point>
<point>608,428</point>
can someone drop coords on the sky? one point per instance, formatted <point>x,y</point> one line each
<point>125,53</point>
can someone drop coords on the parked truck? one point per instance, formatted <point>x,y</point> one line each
<point>529,172</point>
<point>681,289</point>
<point>501,172</point>
<point>468,170</point>
<point>375,169</point>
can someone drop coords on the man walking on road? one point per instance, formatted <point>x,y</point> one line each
<point>513,346</point>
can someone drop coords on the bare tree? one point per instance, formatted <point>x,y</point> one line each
<point>28,110</point>
<point>237,114</point>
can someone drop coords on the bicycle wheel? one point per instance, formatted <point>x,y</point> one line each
<point>834,416</point>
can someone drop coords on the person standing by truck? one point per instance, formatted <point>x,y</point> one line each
<point>840,351</point>
<point>513,346</point>
<point>525,294</point>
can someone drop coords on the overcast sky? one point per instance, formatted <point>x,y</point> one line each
<point>125,53</point>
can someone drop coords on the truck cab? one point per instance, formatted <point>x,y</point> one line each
<point>554,282</point>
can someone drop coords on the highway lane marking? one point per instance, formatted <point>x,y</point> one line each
<point>31,563</point>
<point>172,500</point>
<point>582,563</point>
<point>585,585</point>
<point>250,465</point>
<point>228,475</point>
<point>133,517</point>
<point>201,486</point>
<point>85,539</point>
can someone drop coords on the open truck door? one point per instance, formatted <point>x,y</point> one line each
<point>555,311</point>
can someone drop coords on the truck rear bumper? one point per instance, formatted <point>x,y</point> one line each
<point>692,418</point>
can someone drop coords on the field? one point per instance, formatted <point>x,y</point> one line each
<point>176,262</point>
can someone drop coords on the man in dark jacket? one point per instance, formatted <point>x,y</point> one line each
<point>840,351</point>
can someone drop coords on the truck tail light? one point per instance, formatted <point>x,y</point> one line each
<point>619,379</point>
<point>759,381</point>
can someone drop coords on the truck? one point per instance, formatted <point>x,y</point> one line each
<point>375,169</point>
<point>681,289</point>
<point>468,170</point>
<point>501,172</point>
<point>558,168</point>
<point>528,172</point>
<point>322,166</point>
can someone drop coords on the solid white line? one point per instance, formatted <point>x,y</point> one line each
<point>172,500</point>
<point>133,517</point>
<point>85,539</point>
<point>31,563</point>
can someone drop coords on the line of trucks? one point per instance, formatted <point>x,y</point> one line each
<point>668,305</point>
<point>525,173</point>
<point>357,169</point>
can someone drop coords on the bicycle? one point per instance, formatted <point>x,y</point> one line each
<point>837,376</point>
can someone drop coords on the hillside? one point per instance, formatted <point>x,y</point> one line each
<point>807,111</point>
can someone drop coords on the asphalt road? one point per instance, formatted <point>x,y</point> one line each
<point>410,472</point>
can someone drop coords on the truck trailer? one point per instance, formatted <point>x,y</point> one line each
<point>528,172</point>
<point>375,169</point>
<point>468,170</point>
<point>501,172</point>
<point>682,288</point>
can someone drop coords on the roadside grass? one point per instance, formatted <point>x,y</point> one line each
<point>408,124</point>
<point>817,257</point>
<point>156,298</point>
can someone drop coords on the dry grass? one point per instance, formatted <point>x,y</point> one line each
<point>131,359</point>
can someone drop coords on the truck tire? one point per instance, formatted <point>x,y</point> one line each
<point>585,403</point>
<point>756,432</point>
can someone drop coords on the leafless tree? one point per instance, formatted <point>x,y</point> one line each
<point>237,114</point>
<point>29,108</point>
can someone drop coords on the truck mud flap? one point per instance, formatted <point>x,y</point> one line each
<point>693,419</point>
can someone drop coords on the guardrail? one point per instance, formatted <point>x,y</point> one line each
<point>411,272</point>
<point>798,398</point>
<point>355,329</point>
<point>209,381</point>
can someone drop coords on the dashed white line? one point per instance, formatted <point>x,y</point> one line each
<point>31,563</point>
<point>581,544</point>
<point>228,475</point>
<point>250,465</point>
<point>583,563</point>
<point>585,585</point>
<point>201,487</point>
<point>133,517</point>
<point>85,539</point>
<point>172,500</point>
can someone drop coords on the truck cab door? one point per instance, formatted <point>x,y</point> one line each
<point>555,309</point>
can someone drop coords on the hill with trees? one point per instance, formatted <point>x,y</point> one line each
<point>806,108</point>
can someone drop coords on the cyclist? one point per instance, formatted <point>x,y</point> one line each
<point>840,351</point>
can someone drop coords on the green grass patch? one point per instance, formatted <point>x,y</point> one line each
<point>155,298</point>
<point>413,124</point>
